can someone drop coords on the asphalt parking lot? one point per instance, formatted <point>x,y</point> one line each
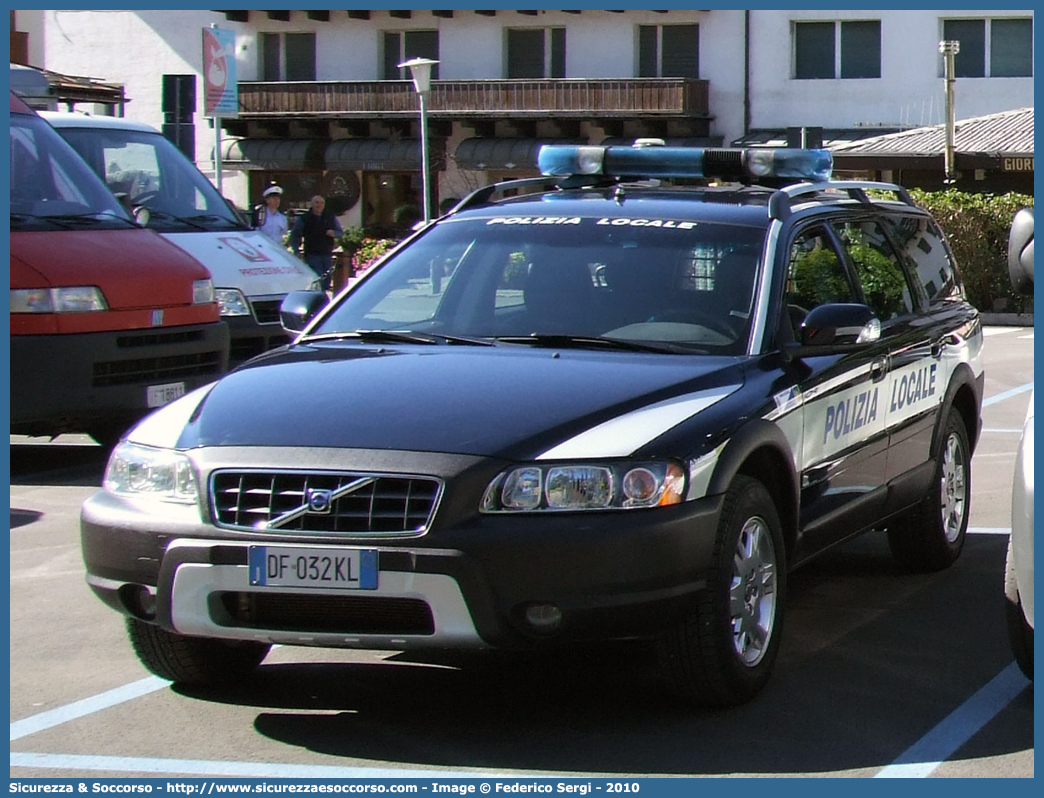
<point>881,673</point>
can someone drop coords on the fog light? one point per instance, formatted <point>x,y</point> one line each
<point>543,618</point>
<point>140,601</point>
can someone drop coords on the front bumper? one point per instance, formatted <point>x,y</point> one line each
<point>465,583</point>
<point>251,335</point>
<point>71,383</point>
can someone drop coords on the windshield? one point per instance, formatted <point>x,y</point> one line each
<point>686,285</point>
<point>146,170</point>
<point>51,187</point>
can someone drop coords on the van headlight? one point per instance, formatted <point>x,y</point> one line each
<point>70,299</point>
<point>202,292</point>
<point>585,486</point>
<point>152,473</point>
<point>231,302</point>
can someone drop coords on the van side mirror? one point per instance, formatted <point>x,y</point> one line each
<point>1020,252</point>
<point>298,308</point>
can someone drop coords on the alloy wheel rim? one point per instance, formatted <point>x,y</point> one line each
<point>953,488</point>
<point>752,592</point>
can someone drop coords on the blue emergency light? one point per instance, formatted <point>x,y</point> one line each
<point>654,160</point>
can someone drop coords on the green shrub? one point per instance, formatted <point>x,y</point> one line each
<point>370,249</point>
<point>977,227</point>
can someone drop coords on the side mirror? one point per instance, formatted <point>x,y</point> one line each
<point>830,329</point>
<point>300,307</point>
<point>142,215</point>
<point>1020,252</point>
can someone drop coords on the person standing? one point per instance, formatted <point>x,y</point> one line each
<point>317,230</point>
<point>271,220</point>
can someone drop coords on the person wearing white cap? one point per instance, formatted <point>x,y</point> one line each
<point>271,220</point>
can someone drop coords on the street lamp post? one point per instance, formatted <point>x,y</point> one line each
<point>949,49</point>
<point>420,71</point>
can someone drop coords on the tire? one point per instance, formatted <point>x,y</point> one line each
<point>199,661</point>
<point>1020,633</point>
<point>931,535</point>
<point>723,653</point>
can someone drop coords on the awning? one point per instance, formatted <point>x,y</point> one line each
<point>832,137</point>
<point>481,154</point>
<point>277,155</point>
<point>383,155</point>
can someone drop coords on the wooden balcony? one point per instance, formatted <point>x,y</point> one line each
<point>663,98</point>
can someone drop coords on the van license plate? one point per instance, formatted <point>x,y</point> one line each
<point>159,395</point>
<point>294,566</point>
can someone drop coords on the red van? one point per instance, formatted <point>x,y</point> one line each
<point>108,319</point>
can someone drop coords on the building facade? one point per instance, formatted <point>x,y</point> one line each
<point>325,108</point>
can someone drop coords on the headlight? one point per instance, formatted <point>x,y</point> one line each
<point>231,302</point>
<point>202,292</point>
<point>147,472</point>
<point>609,486</point>
<point>75,299</point>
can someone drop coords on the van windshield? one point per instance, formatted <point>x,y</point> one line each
<point>52,188</point>
<point>146,170</point>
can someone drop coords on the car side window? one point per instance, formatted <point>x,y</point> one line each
<point>815,275</point>
<point>880,274</point>
<point>927,257</point>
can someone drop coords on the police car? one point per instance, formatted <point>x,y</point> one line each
<point>615,402</point>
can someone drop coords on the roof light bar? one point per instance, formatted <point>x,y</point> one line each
<point>651,160</point>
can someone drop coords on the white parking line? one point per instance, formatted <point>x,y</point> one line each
<point>203,767</point>
<point>88,706</point>
<point>1000,397</point>
<point>918,761</point>
<point>928,753</point>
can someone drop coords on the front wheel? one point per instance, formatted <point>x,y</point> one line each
<point>199,661</point>
<point>1020,633</point>
<point>930,536</point>
<point>723,653</point>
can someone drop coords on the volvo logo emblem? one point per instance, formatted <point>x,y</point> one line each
<point>320,501</point>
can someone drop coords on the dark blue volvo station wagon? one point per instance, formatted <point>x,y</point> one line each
<point>620,404</point>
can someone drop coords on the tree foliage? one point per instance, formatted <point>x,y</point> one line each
<point>977,227</point>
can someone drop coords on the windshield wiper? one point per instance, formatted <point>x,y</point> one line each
<point>590,342</point>
<point>71,221</point>
<point>163,216</point>
<point>401,337</point>
<point>200,218</point>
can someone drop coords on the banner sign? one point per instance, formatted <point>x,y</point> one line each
<point>220,87</point>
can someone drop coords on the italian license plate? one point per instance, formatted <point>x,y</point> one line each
<point>159,395</point>
<point>293,566</point>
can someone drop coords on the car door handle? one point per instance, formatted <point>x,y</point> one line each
<point>940,346</point>
<point>878,369</point>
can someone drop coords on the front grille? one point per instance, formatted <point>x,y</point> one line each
<point>242,349</point>
<point>266,311</point>
<point>151,370</point>
<point>159,338</point>
<point>301,612</point>
<point>361,503</point>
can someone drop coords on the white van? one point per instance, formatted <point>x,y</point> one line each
<point>251,273</point>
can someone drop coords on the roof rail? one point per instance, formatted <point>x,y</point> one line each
<point>781,201</point>
<point>482,195</point>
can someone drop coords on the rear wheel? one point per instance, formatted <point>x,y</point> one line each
<point>930,537</point>
<point>198,661</point>
<point>723,653</point>
<point>1020,633</point>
